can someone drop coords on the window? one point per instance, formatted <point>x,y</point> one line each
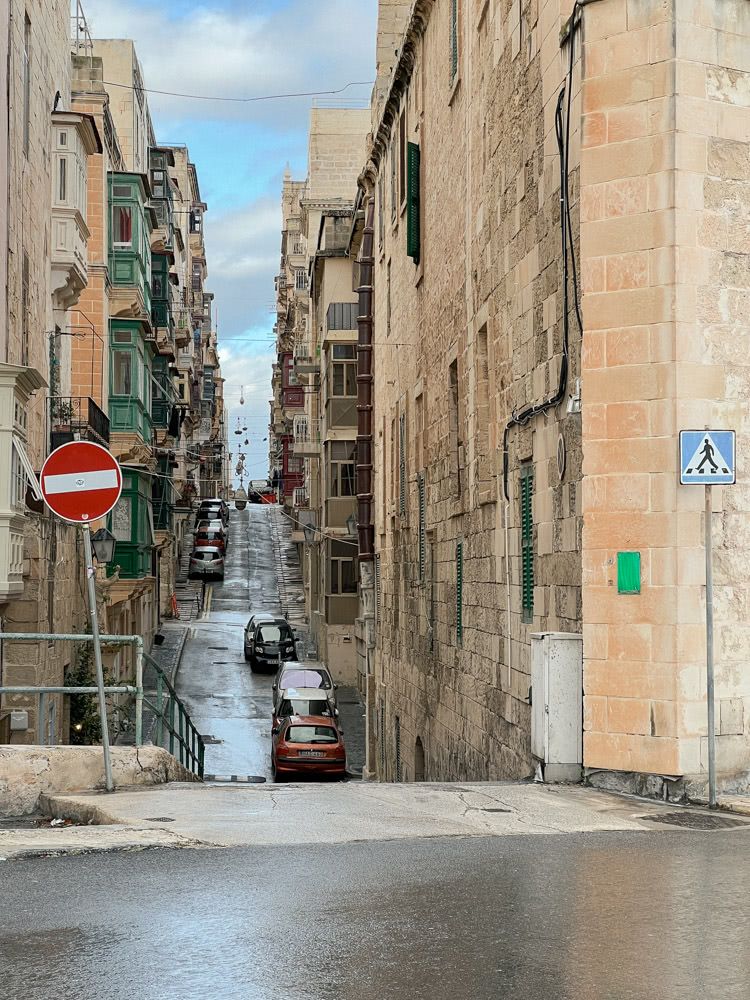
<point>459,593</point>
<point>157,286</point>
<point>25,306</point>
<point>342,315</point>
<point>17,480</point>
<point>344,352</point>
<point>343,575</point>
<point>197,276</point>
<point>196,220</point>
<point>122,226</point>
<point>422,535</point>
<point>420,433</point>
<point>388,301</point>
<point>122,373</point>
<point>527,543</point>
<point>482,421</point>
<point>344,378</point>
<point>158,184</point>
<point>300,279</point>
<point>454,39</point>
<point>343,469</point>
<point>402,465</point>
<point>381,214</point>
<point>402,157</point>
<point>62,178</point>
<point>122,191</point>
<point>26,83</point>
<point>453,417</point>
<point>311,734</point>
<point>121,336</point>
<point>394,176</point>
<point>122,518</point>
<point>412,203</point>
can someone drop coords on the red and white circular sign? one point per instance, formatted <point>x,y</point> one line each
<point>81,481</point>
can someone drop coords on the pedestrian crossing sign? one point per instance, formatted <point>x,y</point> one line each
<point>707,458</point>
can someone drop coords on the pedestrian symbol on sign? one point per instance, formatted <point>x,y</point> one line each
<point>707,458</point>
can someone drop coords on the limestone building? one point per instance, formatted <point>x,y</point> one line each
<point>533,369</point>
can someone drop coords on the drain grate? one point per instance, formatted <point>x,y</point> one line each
<point>697,820</point>
<point>159,819</point>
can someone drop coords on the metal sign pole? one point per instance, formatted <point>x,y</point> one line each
<point>710,655</point>
<point>91,579</point>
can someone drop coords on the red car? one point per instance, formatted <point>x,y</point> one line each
<point>307,744</point>
<point>213,538</point>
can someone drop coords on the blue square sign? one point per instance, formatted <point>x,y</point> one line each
<point>707,458</point>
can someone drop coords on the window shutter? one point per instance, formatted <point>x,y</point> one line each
<point>422,526</point>
<point>454,38</point>
<point>402,465</point>
<point>412,202</point>
<point>377,591</point>
<point>459,593</point>
<point>527,543</point>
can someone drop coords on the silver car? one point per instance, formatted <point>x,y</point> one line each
<point>294,674</point>
<point>207,561</point>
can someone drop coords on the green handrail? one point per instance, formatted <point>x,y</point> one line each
<point>190,745</point>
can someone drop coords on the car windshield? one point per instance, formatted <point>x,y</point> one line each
<point>311,734</point>
<point>306,678</point>
<point>304,706</point>
<point>273,633</point>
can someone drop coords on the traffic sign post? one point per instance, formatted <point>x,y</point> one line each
<point>707,458</point>
<point>81,482</point>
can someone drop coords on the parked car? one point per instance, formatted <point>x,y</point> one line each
<point>303,701</point>
<point>213,538</point>
<point>207,561</point>
<point>213,509</point>
<point>268,641</point>
<point>303,675</point>
<point>311,744</point>
<point>210,524</point>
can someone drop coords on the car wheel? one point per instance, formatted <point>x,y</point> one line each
<point>253,664</point>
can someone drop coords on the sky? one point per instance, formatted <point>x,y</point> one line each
<point>244,48</point>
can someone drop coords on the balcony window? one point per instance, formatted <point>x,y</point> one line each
<point>158,184</point>
<point>122,227</point>
<point>344,378</point>
<point>122,373</point>
<point>196,221</point>
<point>343,576</point>
<point>122,519</point>
<point>342,316</point>
<point>343,473</point>
<point>300,280</point>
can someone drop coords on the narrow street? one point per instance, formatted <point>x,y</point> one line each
<point>226,700</point>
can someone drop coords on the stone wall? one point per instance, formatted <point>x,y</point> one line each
<point>463,339</point>
<point>666,248</point>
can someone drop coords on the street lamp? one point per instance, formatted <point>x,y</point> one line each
<point>103,542</point>
<point>310,531</point>
<point>351,525</point>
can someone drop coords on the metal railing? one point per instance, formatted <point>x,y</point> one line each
<point>77,415</point>
<point>306,429</point>
<point>169,720</point>
<point>300,496</point>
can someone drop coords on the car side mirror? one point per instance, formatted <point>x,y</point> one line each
<point>275,731</point>
<point>335,687</point>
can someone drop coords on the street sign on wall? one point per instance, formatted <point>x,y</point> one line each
<point>707,458</point>
<point>81,482</point>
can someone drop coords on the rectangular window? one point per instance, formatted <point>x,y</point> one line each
<point>527,543</point>
<point>402,465</point>
<point>343,576</point>
<point>453,426</point>
<point>26,83</point>
<point>378,597</point>
<point>122,191</point>
<point>454,39</point>
<point>343,469</point>
<point>342,316</point>
<point>25,307</point>
<point>122,226</point>
<point>388,300</point>
<point>459,593</point>
<point>62,179</point>
<point>344,380</point>
<point>300,279</point>
<point>196,221</point>
<point>413,203</point>
<point>482,422</point>
<point>344,352</point>
<point>394,180</point>
<point>197,277</point>
<point>402,157</point>
<point>122,373</point>
<point>422,536</point>
<point>158,184</point>
<point>381,214</point>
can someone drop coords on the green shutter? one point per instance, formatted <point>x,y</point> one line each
<point>402,465</point>
<point>422,540</point>
<point>459,593</point>
<point>412,202</point>
<point>454,39</point>
<point>527,543</point>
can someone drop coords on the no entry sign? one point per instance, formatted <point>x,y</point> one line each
<point>81,482</point>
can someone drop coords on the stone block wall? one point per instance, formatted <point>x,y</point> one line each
<point>666,251</point>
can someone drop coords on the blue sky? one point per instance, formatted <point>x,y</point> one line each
<point>243,48</point>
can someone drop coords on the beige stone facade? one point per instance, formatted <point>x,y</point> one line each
<point>469,348</point>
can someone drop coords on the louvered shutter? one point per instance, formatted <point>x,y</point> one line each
<point>377,591</point>
<point>422,526</point>
<point>527,544</point>
<point>459,593</point>
<point>412,202</point>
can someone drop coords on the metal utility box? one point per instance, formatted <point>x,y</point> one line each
<point>557,704</point>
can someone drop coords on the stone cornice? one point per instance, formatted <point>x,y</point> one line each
<point>397,85</point>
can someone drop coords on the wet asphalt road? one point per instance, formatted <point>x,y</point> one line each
<point>225,699</point>
<point>590,917</point>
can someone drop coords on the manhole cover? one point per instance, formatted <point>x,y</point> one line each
<point>697,820</point>
<point>159,819</point>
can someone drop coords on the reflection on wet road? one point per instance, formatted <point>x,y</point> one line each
<point>225,699</point>
<point>580,917</point>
